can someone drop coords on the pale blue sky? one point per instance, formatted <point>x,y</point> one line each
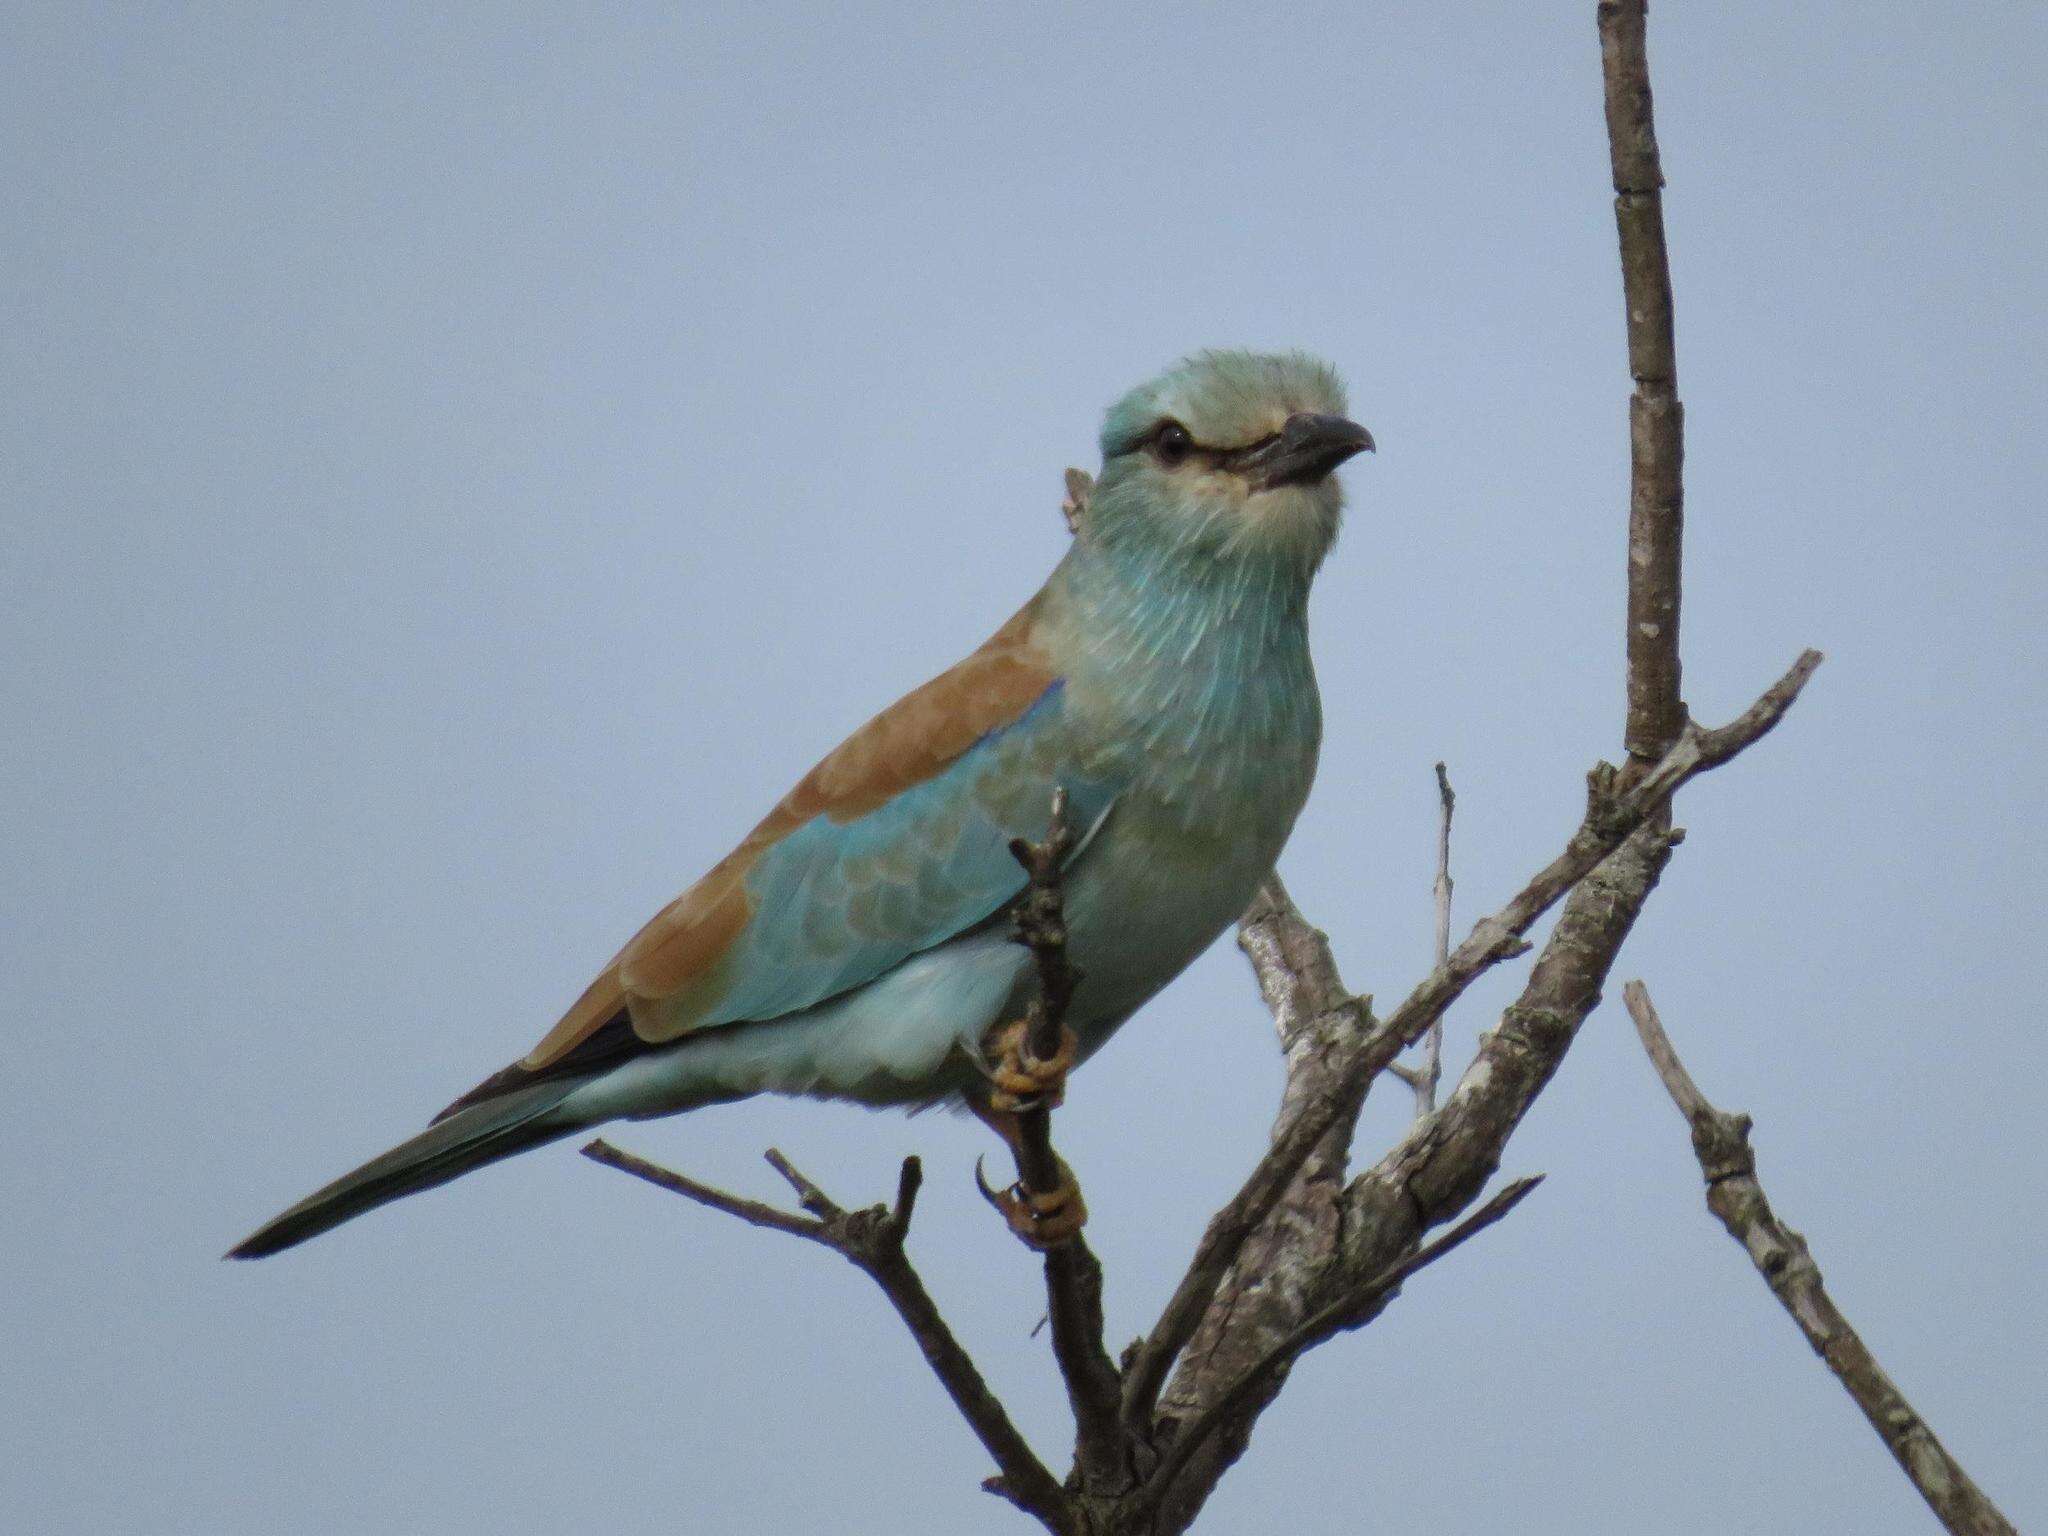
<point>457,470</point>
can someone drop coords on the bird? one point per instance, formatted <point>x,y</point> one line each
<point>853,946</point>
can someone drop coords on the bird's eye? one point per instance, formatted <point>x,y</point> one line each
<point>1172,443</point>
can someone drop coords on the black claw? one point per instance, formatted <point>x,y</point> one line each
<point>1000,1200</point>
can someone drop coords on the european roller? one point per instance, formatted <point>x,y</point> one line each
<point>855,944</point>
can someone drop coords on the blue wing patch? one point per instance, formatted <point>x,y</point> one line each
<point>837,904</point>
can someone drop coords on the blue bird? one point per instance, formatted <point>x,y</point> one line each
<point>852,946</point>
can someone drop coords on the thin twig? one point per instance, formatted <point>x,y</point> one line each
<point>1358,1306</point>
<point>1721,1143</point>
<point>1614,812</point>
<point>753,1212</point>
<point>808,1195</point>
<point>872,1241</point>
<point>1424,1079</point>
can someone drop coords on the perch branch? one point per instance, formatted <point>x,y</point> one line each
<point>1721,1143</point>
<point>872,1241</point>
<point>1073,1275</point>
<point>1039,923</point>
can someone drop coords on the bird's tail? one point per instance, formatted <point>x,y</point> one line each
<point>469,1138</point>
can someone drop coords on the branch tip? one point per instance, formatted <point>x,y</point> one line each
<point>909,1180</point>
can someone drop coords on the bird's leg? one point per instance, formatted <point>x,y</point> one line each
<point>1017,1079</point>
<point>1041,1221</point>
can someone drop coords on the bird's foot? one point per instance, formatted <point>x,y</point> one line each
<point>1018,1080</point>
<point>1040,1221</point>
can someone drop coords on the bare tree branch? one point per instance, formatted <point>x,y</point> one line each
<point>1358,1306</point>
<point>1614,814</point>
<point>1721,1143</point>
<point>1438,1167</point>
<point>1073,1275</point>
<point>753,1212</point>
<point>872,1241</point>
<point>1282,1270</point>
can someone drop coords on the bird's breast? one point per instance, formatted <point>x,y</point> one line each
<point>1216,755</point>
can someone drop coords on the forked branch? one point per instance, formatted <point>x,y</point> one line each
<point>1358,1306</point>
<point>872,1241</point>
<point>1614,813</point>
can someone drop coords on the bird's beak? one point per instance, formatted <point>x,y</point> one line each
<point>1306,449</point>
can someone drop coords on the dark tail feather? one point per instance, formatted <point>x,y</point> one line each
<point>471,1137</point>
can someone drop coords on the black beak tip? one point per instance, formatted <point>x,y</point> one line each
<point>1346,436</point>
<point>1328,434</point>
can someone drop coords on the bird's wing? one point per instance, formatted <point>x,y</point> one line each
<point>894,843</point>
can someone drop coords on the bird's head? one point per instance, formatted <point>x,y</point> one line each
<point>1228,457</point>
